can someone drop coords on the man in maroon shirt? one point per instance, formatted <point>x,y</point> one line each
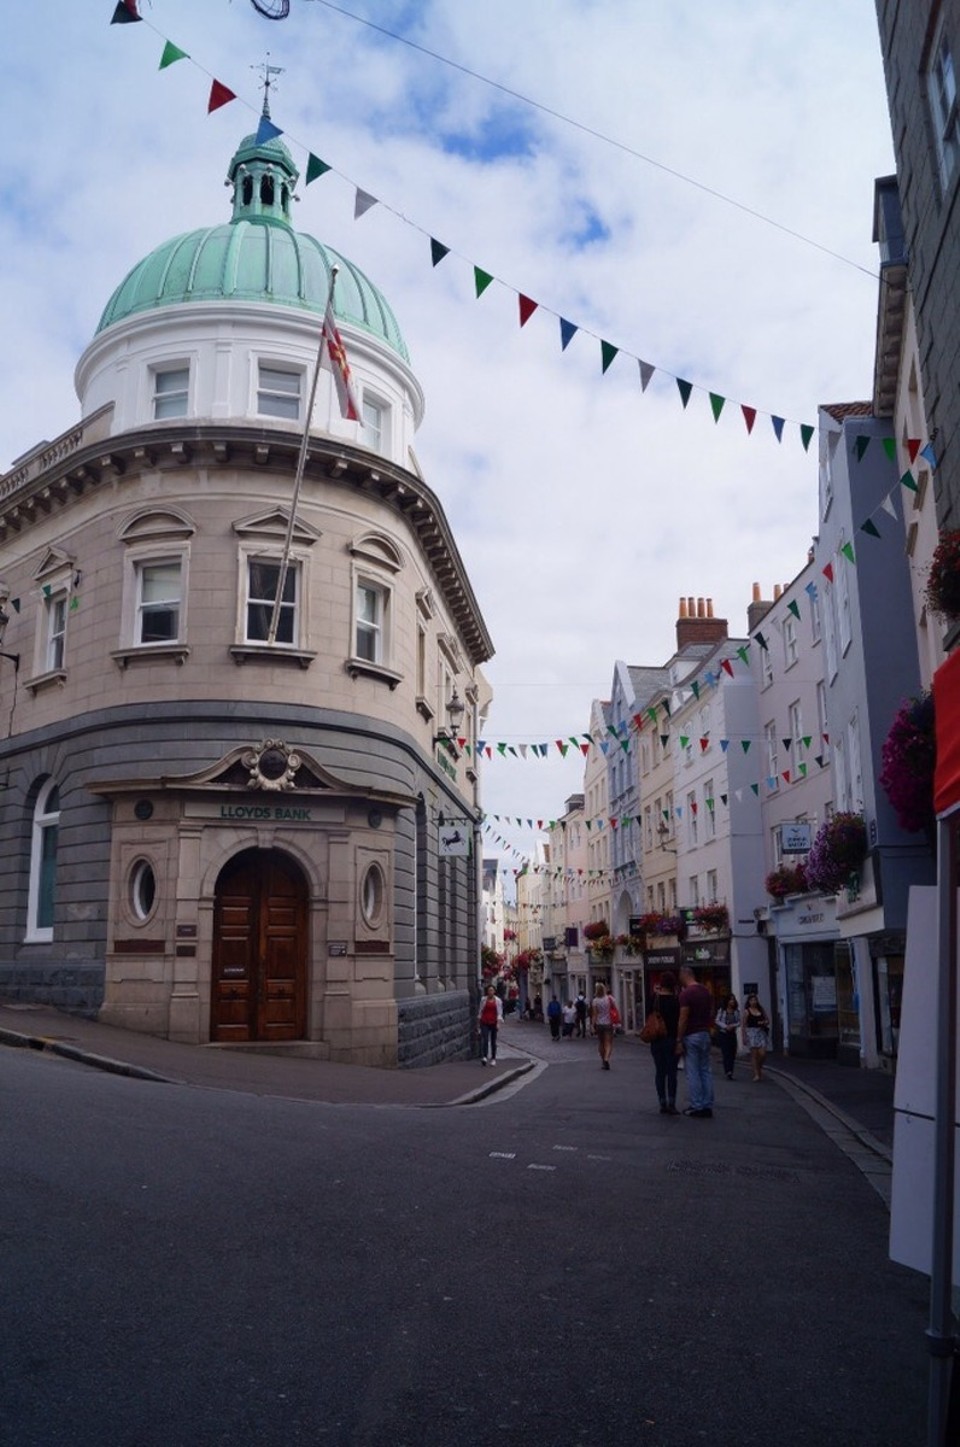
<point>693,1038</point>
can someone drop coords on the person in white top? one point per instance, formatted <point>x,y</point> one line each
<point>603,1019</point>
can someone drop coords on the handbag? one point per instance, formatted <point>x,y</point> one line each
<point>614,1015</point>
<point>654,1027</point>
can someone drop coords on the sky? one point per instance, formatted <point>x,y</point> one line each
<point>590,177</point>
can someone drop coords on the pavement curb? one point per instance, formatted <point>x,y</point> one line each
<point>490,1088</point>
<point>847,1121</point>
<point>82,1057</point>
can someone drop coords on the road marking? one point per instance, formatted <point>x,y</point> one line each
<point>503,1155</point>
<point>566,1148</point>
<point>533,1167</point>
<point>599,1158</point>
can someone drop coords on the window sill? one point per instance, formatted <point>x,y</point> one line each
<point>46,680</point>
<point>424,709</point>
<point>151,653</point>
<point>360,667</point>
<point>271,653</point>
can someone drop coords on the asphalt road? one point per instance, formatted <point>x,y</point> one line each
<point>560,1265</point>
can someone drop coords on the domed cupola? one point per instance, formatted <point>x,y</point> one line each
<point>263,177</point>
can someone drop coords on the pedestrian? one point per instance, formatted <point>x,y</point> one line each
<point>538,1007</point>
<point>581,1008</point>
<point>489,1017</point>
<point>664,1050</point>
<point>554,1017</point>
<point>569,1019</point>
<point>728,1026</point>
<point>601,1017</point>
<point>756,1033</point>
<point>693,1040</point>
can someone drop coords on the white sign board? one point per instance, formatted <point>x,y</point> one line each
<point>454,840</point>
<point>911,1205</point>
<point>795,837</point>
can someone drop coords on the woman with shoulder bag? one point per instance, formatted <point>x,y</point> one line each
<point>664,1050</point>
<point>756,1033</point>
<point>728,1026</point>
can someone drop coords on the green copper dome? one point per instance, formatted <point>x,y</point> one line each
<point>255,257</point>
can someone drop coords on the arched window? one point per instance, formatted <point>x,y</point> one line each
<point>43,863</point>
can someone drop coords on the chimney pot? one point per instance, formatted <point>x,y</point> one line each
<point>756,592</point>
<point>777,590</point>
<point>683,608</point>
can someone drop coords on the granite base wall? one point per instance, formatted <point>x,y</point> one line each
<point>77,988</point>
<point>433,1028</point>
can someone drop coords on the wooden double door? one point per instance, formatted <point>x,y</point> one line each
<point>259,985</point>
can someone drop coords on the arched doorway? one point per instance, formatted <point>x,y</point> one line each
<point>258,989</point>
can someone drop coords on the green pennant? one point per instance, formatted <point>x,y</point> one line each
<point>716,405</point>
<point>742,653</point>
<point>607,353</point>
<point>806,434</point>
<point>847,551</point>
<point>438,251</point>
<point>684,740</point>
<point>908,482</point>
<point>710,803</point>
<point>803,771</point>
<point>890,447</point>
<point>745,745</point>
<point>794,608</point>
<point>685,389</point>
<point>315,168</point>
<point>74,603</point>
<point>756,789</point>
<point>171,54</point>
<point>870,528</point>
<point>695,690</point>
<point>46,590</point>
<point>482,280</point>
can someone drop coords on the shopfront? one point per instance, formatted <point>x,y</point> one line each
<point>816,985</point>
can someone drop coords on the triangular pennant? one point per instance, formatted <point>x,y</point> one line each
<point>724,798</point>
<point>819,759</point>
<point>749,416</point>
<point>607,353</point>
<point>913,447</point>
<point>695,690</point>
<point>794,607</point>
<point>742,653</point>
<point>787,744</point>
<point>267,131</point>
<point>315,168</point>
<point>778,427</point>
<point>806,433</point>
<point>803,771</point>
<point>756,789</point>
<point>125,13</point>
<point>704,745</point>
<point>664,741</point>
<point>567,333</point>
<point>684,740</point>
<point>717,404</point>
<point>482,280</point>
<point>745,745</point>
<point>171,54</point>
<point>685,389</point>
<point>724,745</point>
<point>437,251</point>
<point>889,506</point>
<point>929,455</point>
<point>527,308</point>
<point>847,551</point>
<point>870,528</point>
<point>860,446</point>
<point>907,481</point>
<point>646,372</point>
<point>363,203</point>
<point>890,447</point>
<point>828,572</point>
<point>727,666</point>
<point>220,95</point>
<point>763,643</point>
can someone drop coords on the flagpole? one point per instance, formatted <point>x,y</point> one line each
<point>298,479</point>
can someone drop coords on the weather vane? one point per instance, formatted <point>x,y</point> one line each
<point>272,9</point>
<point>267,71</point>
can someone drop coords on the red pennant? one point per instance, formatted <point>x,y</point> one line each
<point>220,95</point>
<point>828,572</point>
<point>786,775</point>
<point>749,415</point>
<point>584,749</point>
<point>638,720</point>
<point>913,447</point>
<point>704,745</point>
<point>725,663</point>
<point>527,309</point>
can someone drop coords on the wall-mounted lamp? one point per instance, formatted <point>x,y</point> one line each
<point>663,833</point>
<point>448,736</point>
<point>14,657</point>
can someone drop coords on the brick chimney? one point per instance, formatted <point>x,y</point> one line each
<point>696,623</point>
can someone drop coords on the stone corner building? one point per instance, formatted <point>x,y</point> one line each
<point>206,834</point>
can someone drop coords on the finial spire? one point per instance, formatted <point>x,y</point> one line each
<point>267,71</point>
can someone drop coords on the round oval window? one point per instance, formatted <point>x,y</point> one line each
<point>371,894</point>
<point>143,889</point>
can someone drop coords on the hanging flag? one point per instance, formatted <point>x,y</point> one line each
<point>724,745</point>
<point>794,607</point>
<point>315,168</point>
<point>908,482</point>
<point>778,427</point>
<point>847,551</point>
<point>685,389</point>
<point>828,572</point>
<point>860,446</point>
<point>716,405</point>
<point>527,308</point>
<point>482,280</point>
<point>646,372</point>
<point>870,528</point>
<point>929,454</point>
<point>913,447</point>
<point>364,201</point>
<point>749,416</point>
<point>125,13</point>
<point>171,54</point>
<point>607,353</point>
<point>437,251</point>
<point>890,447</point>
<point>267,131</point>
<point>567,333</point>
<point>339,366</point>
<point>220,95</point>
<point>806,433</point>
<point>727,666</point>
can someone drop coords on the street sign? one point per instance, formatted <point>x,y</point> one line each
<point>795,837</point>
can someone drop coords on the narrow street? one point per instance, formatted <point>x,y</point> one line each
<point>558,1265</point>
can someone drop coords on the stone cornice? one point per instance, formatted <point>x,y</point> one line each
<point>86,457</point>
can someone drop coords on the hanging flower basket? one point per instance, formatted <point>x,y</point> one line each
<point>597,929</point>
<point>788,879</point>
<point>909,755</point>
<point>660,924</point>
<point>711,917</point>
<point>837,852</point>
<point>943,581</point>
<point>603,948</point>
